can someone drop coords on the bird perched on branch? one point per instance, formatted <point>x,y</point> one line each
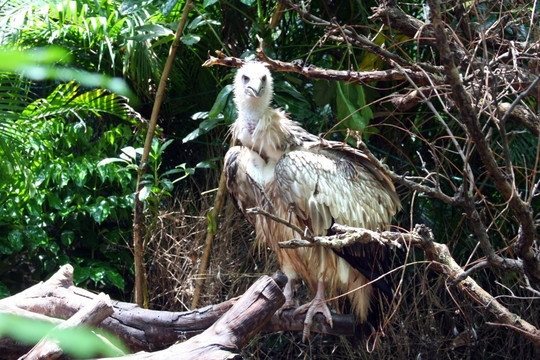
<point>313,183</point>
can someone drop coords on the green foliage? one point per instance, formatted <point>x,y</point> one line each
<point>43,64</point>
<point>155,184</point>
<point>70,153</point>
<point>108,37</point>
<point>352,110</point>
<point>56,204</point>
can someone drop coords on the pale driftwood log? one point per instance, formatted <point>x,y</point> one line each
<point>232,331</point>
<point>92,315</point>
<point>139,329</point>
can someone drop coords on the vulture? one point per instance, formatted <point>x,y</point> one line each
<point>313,183</point>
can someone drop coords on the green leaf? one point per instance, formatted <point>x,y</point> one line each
<point>145,192</point>
<point>165,145</point>
<point>151,31</point>
<point>208,164</point>
<point>37,236</point>
<point>110,160</point>
<point>324,92</point>
<point>67,237</point>
<point>129,7</point>
<point>204,127</point>
<point>54,200</point>
<point>207,3</point>
<point>15,239</point>
<point>41,64</point>
<point>202,20</point>
<point>291,100</point>
<point>190,39</point>
<point>212,223</point>
<point>166,185</point>
<point>81,274</point>
<point>115,278</point>
<point>14,59</point>
<point>129,153</point>
<point>100,210</point>
<point>351,108</point>
<point>4,291</point>
<point>221,101</point>
<point>79,342</point>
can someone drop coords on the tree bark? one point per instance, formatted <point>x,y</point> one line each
<point>232,331</point>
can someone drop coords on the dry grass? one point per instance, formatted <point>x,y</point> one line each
<point>433,321</point>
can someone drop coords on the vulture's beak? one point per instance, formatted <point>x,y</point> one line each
<point>255,89</point>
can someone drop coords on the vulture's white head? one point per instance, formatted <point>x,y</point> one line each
<point>253,88</point>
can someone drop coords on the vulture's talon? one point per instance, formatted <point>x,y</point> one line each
<point>288,305</point>
<point>311,309</point>
<point>317,305</point>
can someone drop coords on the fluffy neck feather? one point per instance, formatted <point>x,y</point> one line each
<point>265,132</point>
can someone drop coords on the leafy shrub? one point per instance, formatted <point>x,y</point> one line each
<point>56,204</point>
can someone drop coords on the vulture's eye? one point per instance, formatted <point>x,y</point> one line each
<point>245,79</point>
<point>263,79</point>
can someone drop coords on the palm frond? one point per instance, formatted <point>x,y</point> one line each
<point>65,101</point>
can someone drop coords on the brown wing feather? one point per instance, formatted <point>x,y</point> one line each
<point>324,184</point>
<point>245,178</point>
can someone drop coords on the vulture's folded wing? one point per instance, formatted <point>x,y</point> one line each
<point>324,184</point>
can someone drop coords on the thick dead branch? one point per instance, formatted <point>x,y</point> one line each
<point>313,72</point>
<point>340,240</point>
<point>233,330</point>
<point>58,297</point>
<point>521,115</point>
<point>411,98</point>
<point>442,262</point>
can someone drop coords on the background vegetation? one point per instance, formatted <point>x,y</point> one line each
<point>69,151</point>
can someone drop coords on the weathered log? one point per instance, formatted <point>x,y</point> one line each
<point>232,331</point>
<point>139,329</point>
<point>92,315</point>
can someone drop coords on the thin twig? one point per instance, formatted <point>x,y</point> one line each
<point>306,233</point>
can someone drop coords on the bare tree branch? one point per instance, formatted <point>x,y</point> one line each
<point>442,262</point>
<point>508,190</point>
<point>313,72</point>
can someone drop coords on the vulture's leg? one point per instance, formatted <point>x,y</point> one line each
<point>318,304</point>
<point>290,302</point>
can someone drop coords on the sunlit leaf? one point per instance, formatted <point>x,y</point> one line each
<point>145,192</point>
<point>190,39</point>
<point>351,106</point>
<point>221,101</point>
<point>207,3</point>
<point>80,342</point>
<point>204,127</point>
